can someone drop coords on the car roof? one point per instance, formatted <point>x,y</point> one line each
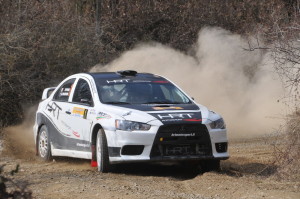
<point>118,75</point>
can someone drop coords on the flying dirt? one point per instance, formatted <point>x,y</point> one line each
<point>220,74</point>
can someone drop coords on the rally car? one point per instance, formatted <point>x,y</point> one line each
<point>125,116</point>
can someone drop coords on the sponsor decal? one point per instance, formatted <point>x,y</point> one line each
<point>167,108</point>
<point>64,94</point>
<point>54,108</point>
<point>118,81</point>
<point>183,134</point>
<point>92,112</point>
<point>102,115</point>
<point>193,120</point>
<point>141,81</point>
<point>85,113</point>
<point>178,150</point>
<point>175,116</point>
<point>67,126</point>
<point>178,117</point>
<point>127,113</point>
<point>76,134</point>
<point>83,145</point>
<point>161,82</point>
<point>65,91</point>
<point>80,112</point>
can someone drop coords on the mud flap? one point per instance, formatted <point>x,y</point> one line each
<point>94,158</point>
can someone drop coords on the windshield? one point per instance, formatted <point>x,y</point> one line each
<point>151,92</point>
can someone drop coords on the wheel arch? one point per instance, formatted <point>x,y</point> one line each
<point>95,130</point>
<point>36,138</point>
<point>40,123</point>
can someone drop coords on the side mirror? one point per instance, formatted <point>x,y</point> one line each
<point>47,92</point>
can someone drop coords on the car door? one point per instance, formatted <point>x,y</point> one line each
<point>56,110</point>
<point>77,116</point>
<point>70,107</point>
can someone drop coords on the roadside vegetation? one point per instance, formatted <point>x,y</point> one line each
<point>42,41</point>
<point>10,188</point>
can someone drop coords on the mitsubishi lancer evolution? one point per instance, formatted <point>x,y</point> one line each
<point>126,116</point>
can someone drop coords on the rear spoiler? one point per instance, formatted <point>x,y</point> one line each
<point>47,92</point>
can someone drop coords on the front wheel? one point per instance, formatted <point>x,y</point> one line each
<point>44,148</point>
<point>102,152</point>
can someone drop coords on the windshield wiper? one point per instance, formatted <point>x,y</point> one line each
<point>116,103</point>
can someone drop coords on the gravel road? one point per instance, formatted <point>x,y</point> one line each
<point>247,174</point>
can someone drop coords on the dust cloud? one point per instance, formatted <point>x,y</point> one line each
<point>238,84</point>
<point>19,140</point>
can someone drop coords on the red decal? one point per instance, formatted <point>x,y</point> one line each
<point>163,82</point>
<point>193,120</point>
<point>94,163</point>
<point>76,134</point>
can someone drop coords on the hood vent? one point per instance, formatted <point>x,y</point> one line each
<point>127,72</point>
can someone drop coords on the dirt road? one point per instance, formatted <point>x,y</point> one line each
<point>247,174</point>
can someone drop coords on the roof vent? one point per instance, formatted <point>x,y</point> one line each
<point>127,72</point>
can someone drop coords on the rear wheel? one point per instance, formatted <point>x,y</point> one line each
<point>44,148</point>
<point>102,152</point>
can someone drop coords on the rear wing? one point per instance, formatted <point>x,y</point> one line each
<point>47,92</point>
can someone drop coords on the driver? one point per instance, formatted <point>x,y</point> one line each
<point>138,93</point>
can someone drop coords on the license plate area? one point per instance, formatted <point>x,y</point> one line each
<point>175,150</point>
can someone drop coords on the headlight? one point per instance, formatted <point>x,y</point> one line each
<point>218,124</point>
<point>131,126</point>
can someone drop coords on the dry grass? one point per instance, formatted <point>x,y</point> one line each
<point>287,148</point>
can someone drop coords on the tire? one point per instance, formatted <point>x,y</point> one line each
<point>210,165</point>
<point>102,152</point>
<point>44,147</point>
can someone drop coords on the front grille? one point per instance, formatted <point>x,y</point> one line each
<point>221,147</point>
<point>178,140</point>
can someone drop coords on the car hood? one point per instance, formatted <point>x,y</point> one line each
<point>159,107</point>
<point>167,114</point>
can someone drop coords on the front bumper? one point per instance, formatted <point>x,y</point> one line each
<point>156,145</point>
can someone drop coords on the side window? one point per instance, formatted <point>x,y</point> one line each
<point>82,93</point>
<point>63,93</point>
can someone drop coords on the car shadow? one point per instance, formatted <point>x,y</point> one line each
<point>177,171</point>
<point>174,171</point>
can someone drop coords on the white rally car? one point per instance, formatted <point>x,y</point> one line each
<point>127,116</point>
